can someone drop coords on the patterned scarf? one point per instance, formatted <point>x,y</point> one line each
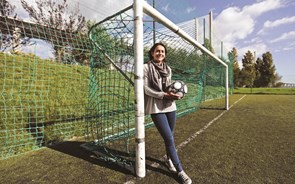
<point>157,72</point>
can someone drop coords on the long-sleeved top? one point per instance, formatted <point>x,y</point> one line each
<point>154,100</point>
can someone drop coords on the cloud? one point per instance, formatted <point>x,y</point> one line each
<point>259,48</point>
<point>261,7</point>
<point>232,24</point>
<point>190,9</point>
<point>235,24</point>
<point>288,48</point>
<point>166,8</point>
<point>253,40</point>
<point>279,22</point>
<point>286,20</point>
<point>284,36</point>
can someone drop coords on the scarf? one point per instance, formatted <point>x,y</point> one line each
<point>156,73</point>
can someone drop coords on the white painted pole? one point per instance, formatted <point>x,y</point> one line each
<point>226,90</point>
<point>139,91</point>
<point>210,27</point>
<point>196,29</point>
<point>166,22</point>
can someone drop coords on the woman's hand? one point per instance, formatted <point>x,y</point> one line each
<point>171,96</point>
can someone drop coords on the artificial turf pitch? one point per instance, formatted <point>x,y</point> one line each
<point>253,142</point>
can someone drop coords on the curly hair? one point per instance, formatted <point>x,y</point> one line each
<point>153,49</point>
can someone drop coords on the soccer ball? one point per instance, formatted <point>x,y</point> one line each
<point>178,87</point>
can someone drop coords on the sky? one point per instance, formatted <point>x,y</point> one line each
<point>258,26</point>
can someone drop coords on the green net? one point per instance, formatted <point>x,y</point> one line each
<point>42,101</point>
<point>112,63</point>
<point>58,85</point>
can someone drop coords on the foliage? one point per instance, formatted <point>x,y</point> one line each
<point>183,61</point>
<point>110,43</point>
<point>208,45</point>
<point>248,70</point>
<point>259,73</point>
<point>52,14</point>
<point>267,70</point>
<point>55,15</point>
<point>258,69</point>
<point>6,9</point>
<point>236,69</point>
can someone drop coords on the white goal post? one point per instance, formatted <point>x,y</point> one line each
<point>140,7</point>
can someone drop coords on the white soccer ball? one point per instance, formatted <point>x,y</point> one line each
<point>178,87</point>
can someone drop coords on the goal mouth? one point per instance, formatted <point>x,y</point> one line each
<point>115,43</point>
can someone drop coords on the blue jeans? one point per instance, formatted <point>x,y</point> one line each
<point>165,123</point>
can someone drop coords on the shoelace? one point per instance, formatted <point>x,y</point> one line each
<point>184,177</point>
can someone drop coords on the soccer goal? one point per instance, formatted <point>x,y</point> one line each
<point>119,49</point>
<point>58,85</point>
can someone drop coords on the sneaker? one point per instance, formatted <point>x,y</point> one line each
<point>170,165</point>
<point>185,179</point>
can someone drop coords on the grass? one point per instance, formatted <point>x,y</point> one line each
<point>35,92</point>
<point>277,91</point>
<point>251,143</point>
<point>241,147</point>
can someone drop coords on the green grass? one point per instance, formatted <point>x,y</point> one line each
<point>278,91</point>
<point>36,93</point>
<point>241,147</point>
<point>251,143</point>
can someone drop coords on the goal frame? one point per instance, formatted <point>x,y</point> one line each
<point>139,8</point>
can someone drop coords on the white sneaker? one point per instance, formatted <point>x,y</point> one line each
<point>185,179</point>
<point>170,165</point>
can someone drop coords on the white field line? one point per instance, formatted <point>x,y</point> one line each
<point>192,137</point>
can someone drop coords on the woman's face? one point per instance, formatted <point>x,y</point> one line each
<point>159,54</point>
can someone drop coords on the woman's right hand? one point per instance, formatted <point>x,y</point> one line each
<point>171,96</point>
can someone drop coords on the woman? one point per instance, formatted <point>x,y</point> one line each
<point>161,104</point>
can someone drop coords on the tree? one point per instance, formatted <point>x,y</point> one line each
<point>258,72</point>
<point>6,9</point>
<point>52,14</point>
<point>208,45</point>
<point>267,70</point>
<point>55,15</point>
<point>277,79</point>
<point>248,70</point>
<point>236,69</point>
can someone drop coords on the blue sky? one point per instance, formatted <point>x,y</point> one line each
<point>255,25</point>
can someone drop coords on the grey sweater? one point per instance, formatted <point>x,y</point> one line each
<point>154,102</point>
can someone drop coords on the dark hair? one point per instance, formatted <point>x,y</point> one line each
<point>153,49</point>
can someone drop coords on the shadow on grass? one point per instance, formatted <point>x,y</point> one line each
<point>97,157</point>
<point>73,148</point>
<point>158,166</point>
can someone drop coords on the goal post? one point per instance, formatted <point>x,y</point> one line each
<point>139,91</point>
<point>140,6</point>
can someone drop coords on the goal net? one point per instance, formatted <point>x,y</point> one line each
<point>113,65</point>
<point>57,85</point>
